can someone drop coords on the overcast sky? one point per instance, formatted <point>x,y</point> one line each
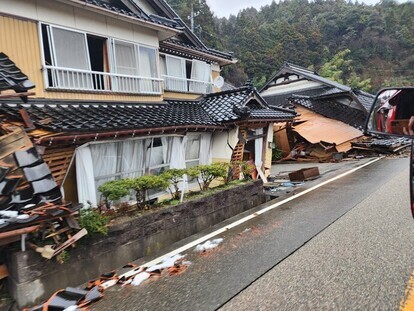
<point>223,8</point>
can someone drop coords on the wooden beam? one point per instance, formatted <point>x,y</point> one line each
<point>17,95</point>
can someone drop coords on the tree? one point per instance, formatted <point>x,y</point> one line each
<point>173,176</point>
<point>144,183</point>
<point>114,190</point>
<point>205,174</point>
<point>340,69</point>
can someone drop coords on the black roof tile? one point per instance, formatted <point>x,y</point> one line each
<point>120,8</point>
<point>210,110</point>
<point>11,77</point>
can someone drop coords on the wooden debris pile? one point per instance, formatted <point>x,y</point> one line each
<point>381,145</point>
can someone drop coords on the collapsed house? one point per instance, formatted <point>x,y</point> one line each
<point>331,115</point>
<point>125,89</point>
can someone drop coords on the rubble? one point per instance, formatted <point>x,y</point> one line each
<point>382,145</point>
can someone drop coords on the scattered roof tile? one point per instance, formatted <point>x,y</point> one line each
<point>11,77</point>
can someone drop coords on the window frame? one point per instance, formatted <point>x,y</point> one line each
<point>152,83</point>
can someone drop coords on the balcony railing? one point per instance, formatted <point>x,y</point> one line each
<point>186,85</point>
<point>96,81</point>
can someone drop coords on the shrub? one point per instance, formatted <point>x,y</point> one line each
<point>144,183</point>
<point>114,190</point>
<point>276,154</point>
<point>207,173</point>
<point>246,169</point>
<point>173,176</point>
<point>93,221</point>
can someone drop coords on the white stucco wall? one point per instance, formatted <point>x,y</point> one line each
<point>60,14</point>
<point>220,150</point>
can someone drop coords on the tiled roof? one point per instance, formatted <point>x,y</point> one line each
<point>282,100</point>
<point>242,103</point>
<point>213,110</point>
<point>119,8</point>
<point>101,117</point>
<point>365,98</point>
<point>212,52</point>
<point>306,73</point>
<point>11,76</point>
<point>332,109</point>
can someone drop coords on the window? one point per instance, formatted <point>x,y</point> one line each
<point>131,61</point>
<point>192,151</point>
<point>69,51</point>
<point>200,77</point>
<point>78,61</point>
<point>174,70</point>
<point>186,75</point>
<point>97,163</point>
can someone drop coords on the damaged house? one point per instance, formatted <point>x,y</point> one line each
<point>331,115</point>
<point>124,88</point>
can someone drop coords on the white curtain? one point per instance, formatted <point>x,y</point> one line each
<point>200,71</point>
<point>165,148</point>
<point>205,148</point>
<point>84,175</point>
<point>178,152</point>
<point>105,162</point>
<point>176,69</point>
<point>148,68</point>
<point>132,158</point>
<point>125,58</point>
<point>258,150</point>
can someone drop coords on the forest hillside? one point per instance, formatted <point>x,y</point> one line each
<point>363,46</point>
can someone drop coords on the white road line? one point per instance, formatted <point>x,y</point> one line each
<point>251,216</point>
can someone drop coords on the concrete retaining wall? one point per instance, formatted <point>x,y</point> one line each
<point>33,279</point>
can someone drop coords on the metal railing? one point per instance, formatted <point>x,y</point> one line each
<point>186,85</point>
<point>96,81</point>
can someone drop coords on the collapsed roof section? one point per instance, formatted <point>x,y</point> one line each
<point>294,85</point>
<point>12,78</point>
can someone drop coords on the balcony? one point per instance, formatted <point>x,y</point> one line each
<point>95,81</point>
<point>175,84</point>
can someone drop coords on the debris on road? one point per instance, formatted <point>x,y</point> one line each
<point>384,146</point>
<point>304,174</point>
<point>208,245</point>
<point>72,299</point>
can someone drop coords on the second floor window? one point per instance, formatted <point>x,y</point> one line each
<point>184,75</point>
<point>79,61</point>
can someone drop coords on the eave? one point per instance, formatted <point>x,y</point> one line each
<point>164,31</point>
<point>199,54</point>
<point>80,138</point>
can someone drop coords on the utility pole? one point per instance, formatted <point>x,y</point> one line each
<point>192,16</point>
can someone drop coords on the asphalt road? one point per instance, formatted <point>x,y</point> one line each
<point>345,246</point>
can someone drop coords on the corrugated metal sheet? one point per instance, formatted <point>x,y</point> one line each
<point>19,40</point>
<point>318,128</point>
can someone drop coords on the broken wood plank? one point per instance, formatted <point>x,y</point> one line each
<point>70,241</point>
<point>4,272</point>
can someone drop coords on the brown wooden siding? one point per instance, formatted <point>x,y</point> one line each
<point>58,161</point>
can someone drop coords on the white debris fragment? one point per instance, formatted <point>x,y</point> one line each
<point>9,213</point>
<point>139,278</point>
<point>23,216</point>
<point>247,230</point>
<point>167,262</point>
<point>208,245</point>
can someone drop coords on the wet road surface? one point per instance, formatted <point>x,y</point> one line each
<point>346,245</point>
